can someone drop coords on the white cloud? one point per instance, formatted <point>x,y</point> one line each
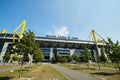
<point>59,31</point>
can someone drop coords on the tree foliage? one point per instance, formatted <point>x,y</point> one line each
<point>15,58</point>
<point>67,58</point>
<point>27,45</point>
<point>102,57</point>
<point>61,58</point>
<point>113,51</point>
<point>86,55</point>
<point>75,57</point>
<point>38,56</point>
<point>7,57</point>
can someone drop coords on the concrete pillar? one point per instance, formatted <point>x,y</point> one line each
<point>51,54</point>
<point>4,49</point>
<point>99,51</point>
<point>1,59</point>
<point>72,51</point>
<point>95,55</point>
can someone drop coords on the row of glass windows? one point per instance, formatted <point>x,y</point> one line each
<point>61,51</point>
<point>46,51</point>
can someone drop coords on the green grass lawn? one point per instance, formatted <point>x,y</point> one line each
<point>38,72</point>
<point>108,74</point>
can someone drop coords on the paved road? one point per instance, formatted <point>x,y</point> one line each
<point>73,75</point>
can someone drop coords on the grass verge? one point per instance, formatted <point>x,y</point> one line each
<point>38,72</point>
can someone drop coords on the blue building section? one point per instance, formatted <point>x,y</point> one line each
<point>46,53</point>
<point>1,46</point>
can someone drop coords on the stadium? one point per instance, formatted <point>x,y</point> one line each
<point>52,45</point>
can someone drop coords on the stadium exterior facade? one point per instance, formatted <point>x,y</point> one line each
<point>52,46</point>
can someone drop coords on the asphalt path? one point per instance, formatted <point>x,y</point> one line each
<point>73,75</point>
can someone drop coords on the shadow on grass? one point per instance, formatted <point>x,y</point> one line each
<point>104,73</point>
<point>5,78</point>
<point>22,70</point>
<point>77,68</point>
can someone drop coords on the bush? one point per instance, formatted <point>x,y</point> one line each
<point>7,57</point>
<point>75,57</point>
<point>15,58</point>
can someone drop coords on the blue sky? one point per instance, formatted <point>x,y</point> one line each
<point>78,17</point>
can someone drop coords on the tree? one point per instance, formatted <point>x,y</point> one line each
<point>7,57</point>
<point>38,56</point>
<point>86,55</point>
<point>102,57</point>
<point>54,59</point>
<point>75,57</point>
<point>61,59</point>
<point>27,45</point>
<point>113,51</point>
<point>15,58</point>
<point>69,58</point>
<point>64,59</point>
